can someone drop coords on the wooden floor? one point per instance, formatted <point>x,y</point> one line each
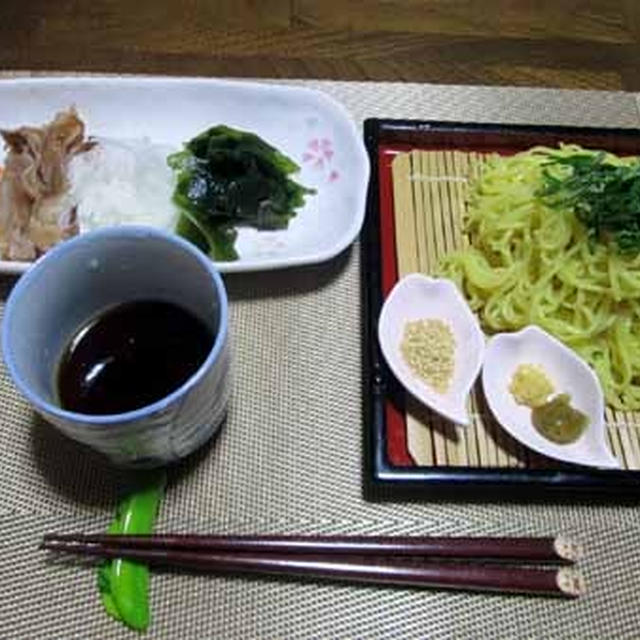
<point>572,44</point>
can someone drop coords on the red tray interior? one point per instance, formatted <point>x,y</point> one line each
<point>394,141</point>
<point>397,451</point>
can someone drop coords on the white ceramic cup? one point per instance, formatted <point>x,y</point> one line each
<point>82,277</point>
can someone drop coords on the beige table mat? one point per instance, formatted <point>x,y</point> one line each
<point>289,460</point>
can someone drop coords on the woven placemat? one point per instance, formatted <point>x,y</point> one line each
<point>289,460</point>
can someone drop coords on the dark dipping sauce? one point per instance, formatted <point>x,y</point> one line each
<point>130,356</point>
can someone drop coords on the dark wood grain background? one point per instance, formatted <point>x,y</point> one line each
<point>572,44</point>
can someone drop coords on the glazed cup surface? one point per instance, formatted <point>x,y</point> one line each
<point>79,279</point>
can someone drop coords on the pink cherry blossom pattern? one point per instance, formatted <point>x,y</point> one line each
<point>319,155</point>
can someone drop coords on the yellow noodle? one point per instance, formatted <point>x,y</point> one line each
<point>528,263</point>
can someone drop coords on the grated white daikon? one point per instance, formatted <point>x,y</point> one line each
<point>123,182</point>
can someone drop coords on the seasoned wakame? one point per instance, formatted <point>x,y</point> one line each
<point>228,178</point>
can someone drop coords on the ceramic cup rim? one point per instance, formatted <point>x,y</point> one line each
<point>59,252</point>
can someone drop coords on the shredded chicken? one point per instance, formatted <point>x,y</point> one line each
<point>36,210</point>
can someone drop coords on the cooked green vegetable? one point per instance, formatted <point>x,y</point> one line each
<point>124,584</point>
<point>602,190</point>
<point>228,178</point>
<point>104,574</point>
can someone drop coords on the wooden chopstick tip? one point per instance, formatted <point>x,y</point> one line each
<point>571,582</point>
<point>568,549</point>
<point>51,542</point>
<point>48,545</point>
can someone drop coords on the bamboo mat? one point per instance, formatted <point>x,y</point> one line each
<point>430,190</point>
<point>288,460</point>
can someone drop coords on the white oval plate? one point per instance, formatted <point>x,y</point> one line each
<point>568,373</point>
<point>308,126</point>
<point>416,297</point>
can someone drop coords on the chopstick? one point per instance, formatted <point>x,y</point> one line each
<point>368,567</point>
<point>558,549</point>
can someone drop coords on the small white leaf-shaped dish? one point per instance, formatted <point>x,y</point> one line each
<point>568,373</point>
<point>418,297</point>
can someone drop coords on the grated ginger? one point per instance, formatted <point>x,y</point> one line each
<point>530,386</point>
<point>428,347</point>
